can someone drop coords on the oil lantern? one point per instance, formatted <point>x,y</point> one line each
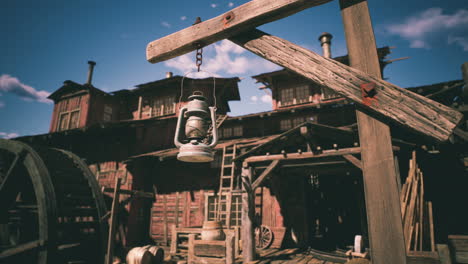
<point>196,115</point>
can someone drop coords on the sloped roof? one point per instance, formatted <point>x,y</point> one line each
<point>71,87</point>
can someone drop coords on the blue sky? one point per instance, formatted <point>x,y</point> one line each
<point>46,42</point>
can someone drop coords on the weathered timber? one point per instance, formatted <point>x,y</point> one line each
<point>113,222</point>
<point>353,160</point>
<point>304,155</point>
<point>248,241</point>
<point>264,174</point>
<point>378,168</point>
<point>444,254</point>
<point>392,102</point>
<point>247,16</point>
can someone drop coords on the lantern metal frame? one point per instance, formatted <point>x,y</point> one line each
<point>196,111</point>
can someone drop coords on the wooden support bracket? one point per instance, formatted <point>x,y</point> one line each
<point>265,174</point>
<point>353,160</point>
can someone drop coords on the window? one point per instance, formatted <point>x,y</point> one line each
<point>227,132</point>
<point>212,209</point>
<point>285,124</point>
<point>69,114</point>
<point>328,94</point>
<point>289,123</point>
<point>163,105</point>
<point>295,95</point>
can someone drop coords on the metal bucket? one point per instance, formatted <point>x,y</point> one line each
<point>212,230</point>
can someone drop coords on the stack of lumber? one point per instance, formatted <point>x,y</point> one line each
<point>418,226</point>
<point>459,247</point>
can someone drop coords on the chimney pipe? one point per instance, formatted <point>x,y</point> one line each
<point>169,74</point>
<point>90,72</point>
<point>325,42</point>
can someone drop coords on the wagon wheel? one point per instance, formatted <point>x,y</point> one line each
<point>263,237</point>
<point>51,206</point>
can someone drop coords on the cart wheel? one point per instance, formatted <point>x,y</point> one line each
<point>263,237</point>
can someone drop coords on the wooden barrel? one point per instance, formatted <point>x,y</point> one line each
<point>139,255</point>
<point>157,252</point>
<point>212,230</point>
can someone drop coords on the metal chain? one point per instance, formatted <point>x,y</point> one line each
<point>199,56</point>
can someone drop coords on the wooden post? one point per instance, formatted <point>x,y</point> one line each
<point>247,235</point>
<point>113,222</point>
<point>380,184</point>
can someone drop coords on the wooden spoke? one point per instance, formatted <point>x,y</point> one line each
<point>12,182</point>
<point>263,237</point>
<point>18,249</point>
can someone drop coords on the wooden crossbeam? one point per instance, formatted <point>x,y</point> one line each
<point>352,159</point>
<point>390,101</point>
<point>304,155</point>
<point>247,16</point>
<point>265,174</point>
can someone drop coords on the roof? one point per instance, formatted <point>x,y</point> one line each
<point>71,87</point>
<point>232,92</point>
<point>326,135</point>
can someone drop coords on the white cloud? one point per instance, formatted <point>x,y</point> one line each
<point>183,18</point>
<point>461,41</point>
<point>165,24</point>
<point>420,28</point>
<point>228,58</point>
<point>12,85</point>
<point>8,135</point>
<point>254,98</point>
<point>214,5</point>
<point>266,98</point>
<point>231,4</point>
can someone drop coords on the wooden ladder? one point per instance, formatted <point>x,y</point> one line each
<point>226,185</point>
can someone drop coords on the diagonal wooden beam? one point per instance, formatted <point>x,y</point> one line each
<point>353,160</point>
<point>247,16</point>
<point>265,174</point>
<point>390,101</point>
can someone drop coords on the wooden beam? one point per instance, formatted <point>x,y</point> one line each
<point>21,248</point>
<point>390,101</point>
<point>113,222</point>
<point>247,16</point>
<point>247,216</point>
<point>304,155</point>
<point>265,174</point>
<point>380,185</point>
<point>353,160</point>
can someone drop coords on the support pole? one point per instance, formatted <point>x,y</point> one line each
<point>113,222</point>
<point>247,236</point>
<point>380,184</point>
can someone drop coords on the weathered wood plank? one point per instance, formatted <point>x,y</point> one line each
<point>304,155</point>
<point>247,16</point>
<point>444,254</point>
<point>113,222</point>
<point>392,102</point>
<point>265,174</point>
<point>353,160</point>
<point>378,167</point>
<point>248,207</point>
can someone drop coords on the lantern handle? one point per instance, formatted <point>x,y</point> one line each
<point>182,85</point>
<point>215,129</point>
<point>177,136</point>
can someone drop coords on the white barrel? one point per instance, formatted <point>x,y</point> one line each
<point>139,255</point>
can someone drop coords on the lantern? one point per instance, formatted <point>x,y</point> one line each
<point>196,115</point>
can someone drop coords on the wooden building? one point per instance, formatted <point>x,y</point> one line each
<point>316,202</point>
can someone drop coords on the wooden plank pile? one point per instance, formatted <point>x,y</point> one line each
<point>418,225</point>
<point>459,247</point>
